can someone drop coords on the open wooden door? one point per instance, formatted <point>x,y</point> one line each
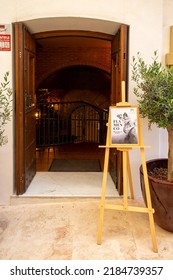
<point>119,54</point>
<point>25,161</point>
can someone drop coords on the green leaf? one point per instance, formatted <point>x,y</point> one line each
<point>5,106</point>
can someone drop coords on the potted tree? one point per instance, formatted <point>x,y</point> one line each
<point>5,107</point>
<point>154,91</point>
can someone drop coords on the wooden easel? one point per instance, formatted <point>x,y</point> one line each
<point>126,174</point>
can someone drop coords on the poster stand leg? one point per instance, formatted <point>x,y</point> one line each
<point>102,203</point>
<point>148,199</point>
<point>130,177</point>
<point>125,206</point>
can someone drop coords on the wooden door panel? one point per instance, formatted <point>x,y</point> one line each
<point>25,107</point>
<point>119,55</point>
<point>29,90</point>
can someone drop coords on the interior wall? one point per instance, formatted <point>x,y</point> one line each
<point>149,23</point>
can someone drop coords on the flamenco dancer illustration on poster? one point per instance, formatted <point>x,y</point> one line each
<point>124,129</point>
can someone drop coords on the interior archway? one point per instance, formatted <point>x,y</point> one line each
<point>46,24</point>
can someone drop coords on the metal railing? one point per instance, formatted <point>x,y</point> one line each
<point>69,122</point>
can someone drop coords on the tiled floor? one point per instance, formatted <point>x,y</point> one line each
<point>45,156</point>
<point>70,184</point>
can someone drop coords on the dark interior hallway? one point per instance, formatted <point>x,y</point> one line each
<point>73,86</point>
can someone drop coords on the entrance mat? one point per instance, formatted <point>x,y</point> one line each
<point>75,165</point>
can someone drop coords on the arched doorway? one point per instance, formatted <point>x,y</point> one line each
<point>25,162</point>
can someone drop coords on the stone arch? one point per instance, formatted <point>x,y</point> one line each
<point>56,52</point>
<point>73,63</point>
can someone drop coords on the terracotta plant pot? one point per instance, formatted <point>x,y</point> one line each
<point>161,195</point>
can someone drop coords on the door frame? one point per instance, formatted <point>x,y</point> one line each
<point>20,153</point>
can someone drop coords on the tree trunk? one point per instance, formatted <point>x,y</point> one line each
<point>170,153</point>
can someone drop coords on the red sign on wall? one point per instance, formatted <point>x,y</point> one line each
<point>5,42</point>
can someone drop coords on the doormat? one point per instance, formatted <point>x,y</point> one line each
<point>75,165</point>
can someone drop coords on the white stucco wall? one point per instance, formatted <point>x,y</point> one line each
<point>6,152</point>
<point>149,22</point>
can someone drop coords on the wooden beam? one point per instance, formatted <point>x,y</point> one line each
<point>72,33</point>
<point>169,56</point>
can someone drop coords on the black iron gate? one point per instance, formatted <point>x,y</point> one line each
<point>69,122</point>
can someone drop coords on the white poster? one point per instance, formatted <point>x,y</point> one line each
<point>124,125</point>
